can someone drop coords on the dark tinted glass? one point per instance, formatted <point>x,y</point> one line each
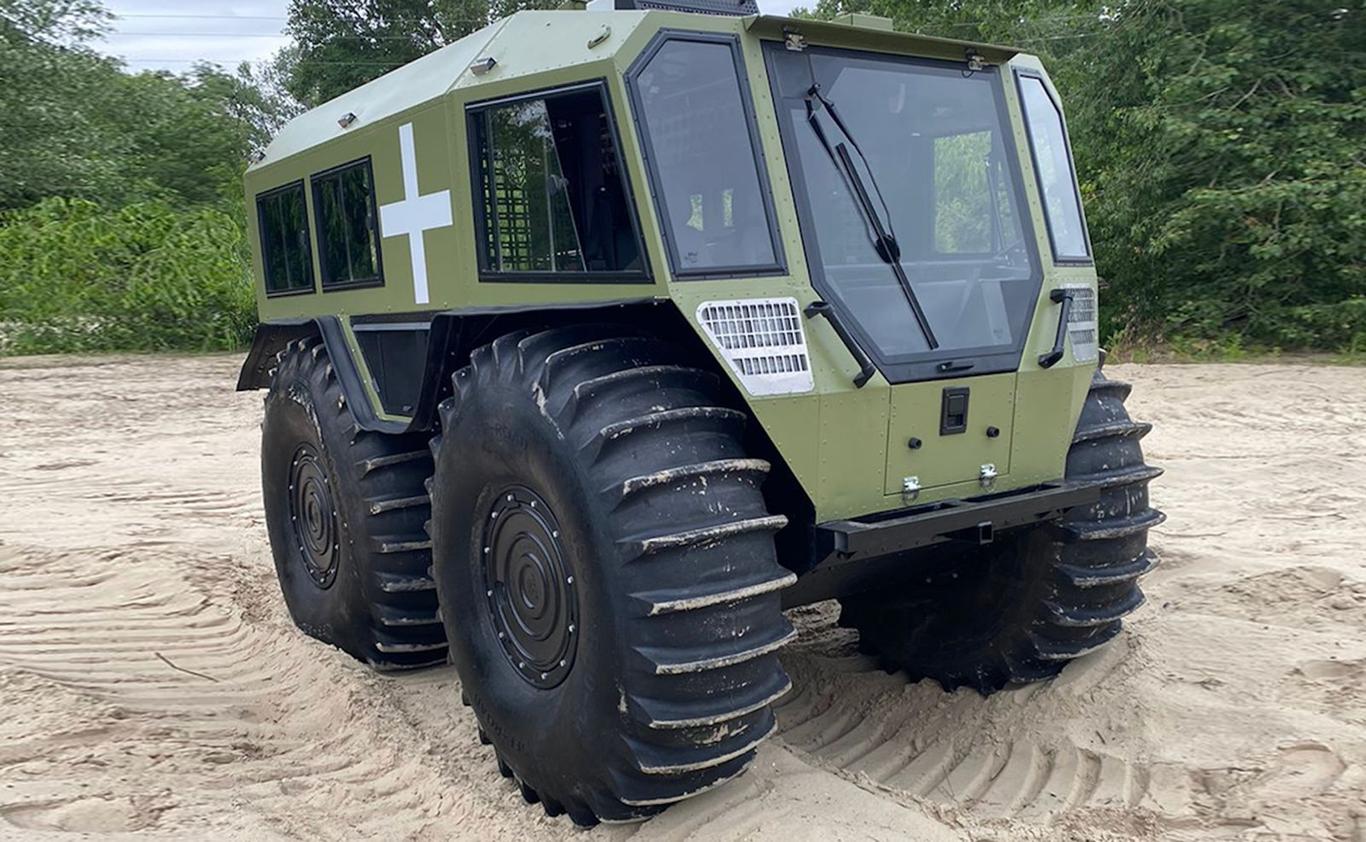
<point>554,200</point>
<point>1053,165</point>
<point>937,143</point>
<point>285,253</point>
<point>706,175</point>
<point>348,245</point>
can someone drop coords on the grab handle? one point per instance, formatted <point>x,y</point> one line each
<point>1063,295</point>
<point>866,367</point>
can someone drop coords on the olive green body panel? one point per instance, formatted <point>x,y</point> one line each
<point>846,446</point>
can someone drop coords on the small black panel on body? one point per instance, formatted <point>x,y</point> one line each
<point>395,358</point>
<point>953,413</point>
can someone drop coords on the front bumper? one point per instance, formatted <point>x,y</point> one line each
<point>851,555</point>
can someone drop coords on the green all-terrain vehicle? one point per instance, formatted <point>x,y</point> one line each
<point>598,338</point>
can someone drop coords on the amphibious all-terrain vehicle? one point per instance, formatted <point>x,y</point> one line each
<point>599,337</point>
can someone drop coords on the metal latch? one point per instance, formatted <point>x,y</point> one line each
<point>987,475</point>
<point>910,488</point>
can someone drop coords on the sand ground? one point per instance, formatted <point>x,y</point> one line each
<point>151,682</point>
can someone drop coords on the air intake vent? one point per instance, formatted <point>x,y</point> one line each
<point>763,340</point>
<point>1081,323</point>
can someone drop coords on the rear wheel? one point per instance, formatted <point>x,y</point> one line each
<point>344,509</point>
<point>607,570</point>
<point>1023,609</point>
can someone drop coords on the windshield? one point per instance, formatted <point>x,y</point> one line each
<point>934,144</point>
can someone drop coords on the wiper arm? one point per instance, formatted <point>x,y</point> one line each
<point>886,245</point>
<point>884,240</point>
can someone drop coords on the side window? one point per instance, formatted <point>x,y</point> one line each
<point>348,242</point>
<point>973,210</point>
<point>550,185</point>
<point>710,193</point>
<point>1053,165</point>
<point>282,217</point>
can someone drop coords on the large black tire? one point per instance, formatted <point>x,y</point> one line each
<point>1023,609</point>
<point>631,571</point>
<point>344,509</point>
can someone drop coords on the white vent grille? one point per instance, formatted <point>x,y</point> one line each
<point>764,342</point>
<point>1082,324</point>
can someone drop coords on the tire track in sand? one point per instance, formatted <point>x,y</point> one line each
<point>168,677</point>
<point>1233,705</point>
<point>976,756</point>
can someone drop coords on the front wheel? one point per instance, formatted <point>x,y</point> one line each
<point>1024,608</point>
<point>606,569</point>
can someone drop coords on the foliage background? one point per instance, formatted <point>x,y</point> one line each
<point>1219,144</point>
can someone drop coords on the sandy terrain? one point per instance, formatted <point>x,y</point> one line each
<point>150,680</point>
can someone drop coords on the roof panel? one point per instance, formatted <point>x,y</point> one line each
<point>406,87</point>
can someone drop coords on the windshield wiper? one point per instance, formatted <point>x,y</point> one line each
<point>884,239</point>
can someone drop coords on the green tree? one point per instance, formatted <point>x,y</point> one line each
<point>342,44</point>
<point>77,125</point>
<point>1224,164</point>
<point>50,141</point>
<point>121,219</point>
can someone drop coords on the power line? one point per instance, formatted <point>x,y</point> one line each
<point>170,34</point>
<point>196,17</point>
<point>221,59</point>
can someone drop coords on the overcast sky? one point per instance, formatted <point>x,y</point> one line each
<point>174,34</point>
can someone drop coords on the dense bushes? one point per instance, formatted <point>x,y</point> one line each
<point>145,277</point>
<point>120,194</point>
<point>1227,186</point>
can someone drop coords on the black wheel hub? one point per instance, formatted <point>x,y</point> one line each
<point>313,516</point>
<point>530,587</point>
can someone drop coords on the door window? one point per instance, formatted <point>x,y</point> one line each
<point>551,190</point>
<point>712,199</point>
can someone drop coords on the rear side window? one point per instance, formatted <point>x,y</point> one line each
<point>549,183</point>
<point>712,198</point>
<point>282,217</point>
<point>1053,166</point>
<point>348,244</point>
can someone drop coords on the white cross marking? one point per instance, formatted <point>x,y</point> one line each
<point>415,214</point>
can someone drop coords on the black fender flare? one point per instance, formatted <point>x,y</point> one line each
<point>452,335</point>
<point>273,337</point>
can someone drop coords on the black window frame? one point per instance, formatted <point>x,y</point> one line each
<point>297,184</point>
<point>779,265</point>
<point>899,368</point>
<point>473,112</point>
<point>315,190</point>
<point>1058,260</point>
